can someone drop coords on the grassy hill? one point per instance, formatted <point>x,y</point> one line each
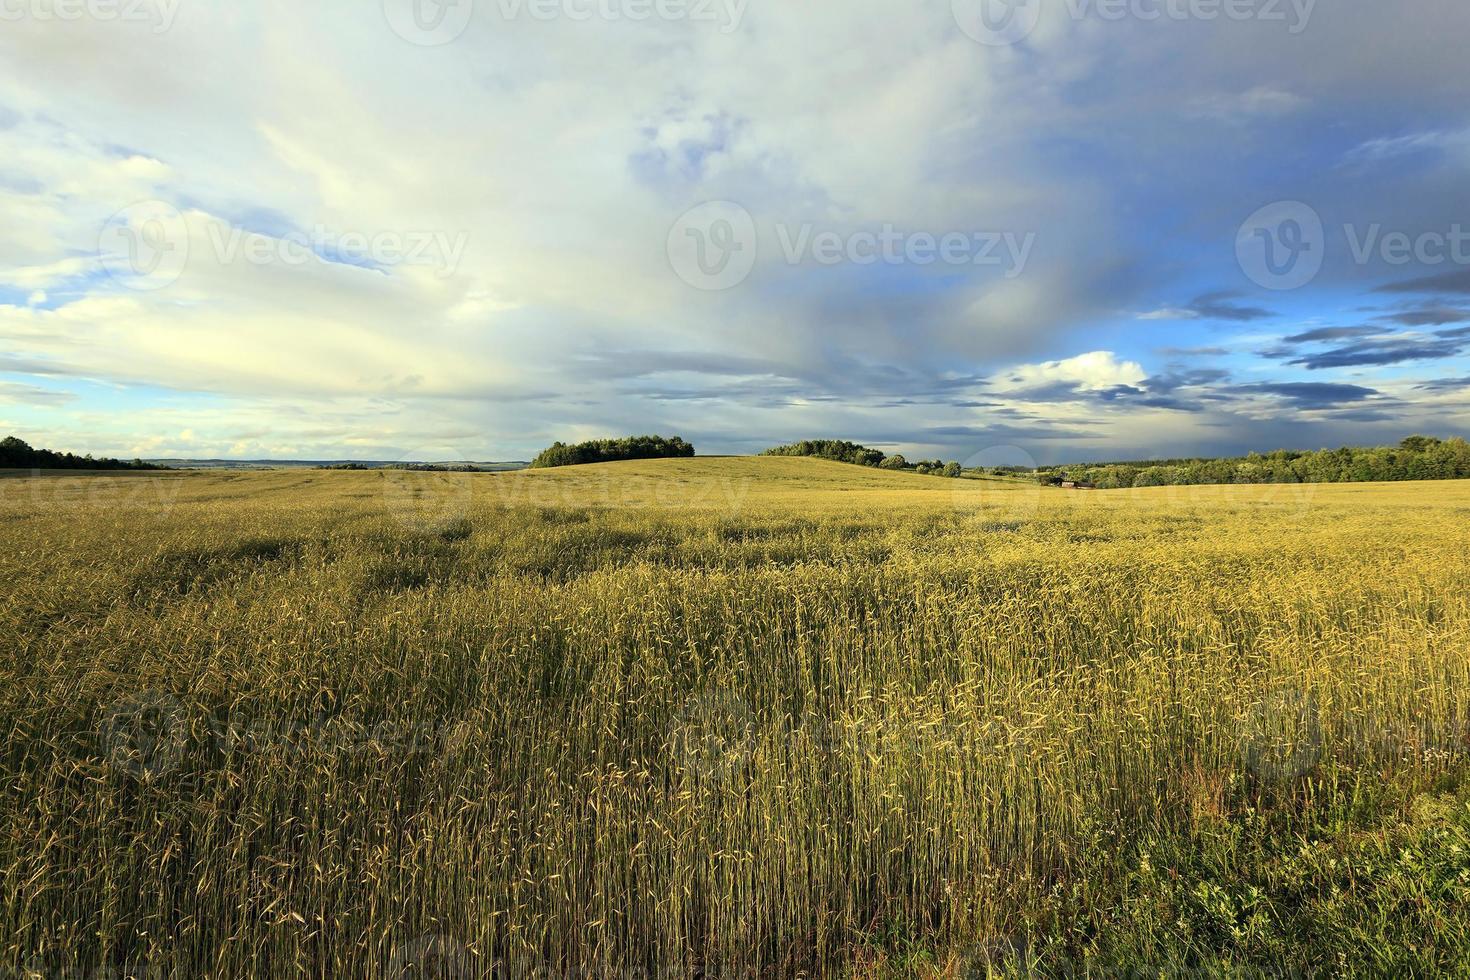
<point>704,713</point>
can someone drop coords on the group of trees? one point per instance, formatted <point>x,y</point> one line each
<point>16,454</point>
<point>415,467</point>
<point>1416,458</point>
<point>843,451</point>
<point>839,450</point>
<point>613,450</point>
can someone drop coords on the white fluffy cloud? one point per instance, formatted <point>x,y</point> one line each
<point>1093,371</point>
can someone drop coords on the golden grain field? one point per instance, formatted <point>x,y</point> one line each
<point>711,717</point>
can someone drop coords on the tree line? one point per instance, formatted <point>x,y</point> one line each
<point>17,454</point>
<point>613,450</point>
<point>1415,458</point>
<point>842,451</point>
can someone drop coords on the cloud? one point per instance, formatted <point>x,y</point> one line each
<point>1094,370</point>
<point>1243,107</point>
<point>1216,305</point>
<point>1445,385</point>
<point>1448,282</point>
<point>1193,351</point>
<point>999,433</point>
<point>1331,333</point>
<point>23,394</point>
<point>1371,346</point>
<point>1309,395</point>
<point>1382,149</point>
<point>1390,350</point>
<point>1431,316</point>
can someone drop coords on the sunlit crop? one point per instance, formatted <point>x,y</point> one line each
<point>717,718</point>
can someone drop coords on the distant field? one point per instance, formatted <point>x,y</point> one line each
<point>730,717</point>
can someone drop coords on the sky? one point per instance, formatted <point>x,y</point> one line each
<point>985,230</point>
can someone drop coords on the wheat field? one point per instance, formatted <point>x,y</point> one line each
<point>728,717</point>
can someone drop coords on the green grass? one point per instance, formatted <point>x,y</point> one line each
<point>730,717</point>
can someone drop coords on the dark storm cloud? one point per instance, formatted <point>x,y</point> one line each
<point>1331,333</point>
<point>1394,350</point>
<point>1218,305</point>
<point>1364,415</point>
<point>1051,391</point>
<point>758,383</point>
<point>1310,394</point>
<point>642,363</point>
<point>1155,392</point>
<point>23,394</point>
<point>1372,346</point>
<point>1143,398</point>
<point>1193,351</point>
<point>1450,282</point>
<point>1005,431</point>
<point>25,365</point>
<point>1434,316</point>
<point>1187,379</point>
<point>1443,385</point>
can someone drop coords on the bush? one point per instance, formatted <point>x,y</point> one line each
<point>613,450</point>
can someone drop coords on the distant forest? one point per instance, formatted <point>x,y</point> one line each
<point>1416,458</point>
<point>613,450</point>
<point>842,451</point>
<point>16,454</point>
